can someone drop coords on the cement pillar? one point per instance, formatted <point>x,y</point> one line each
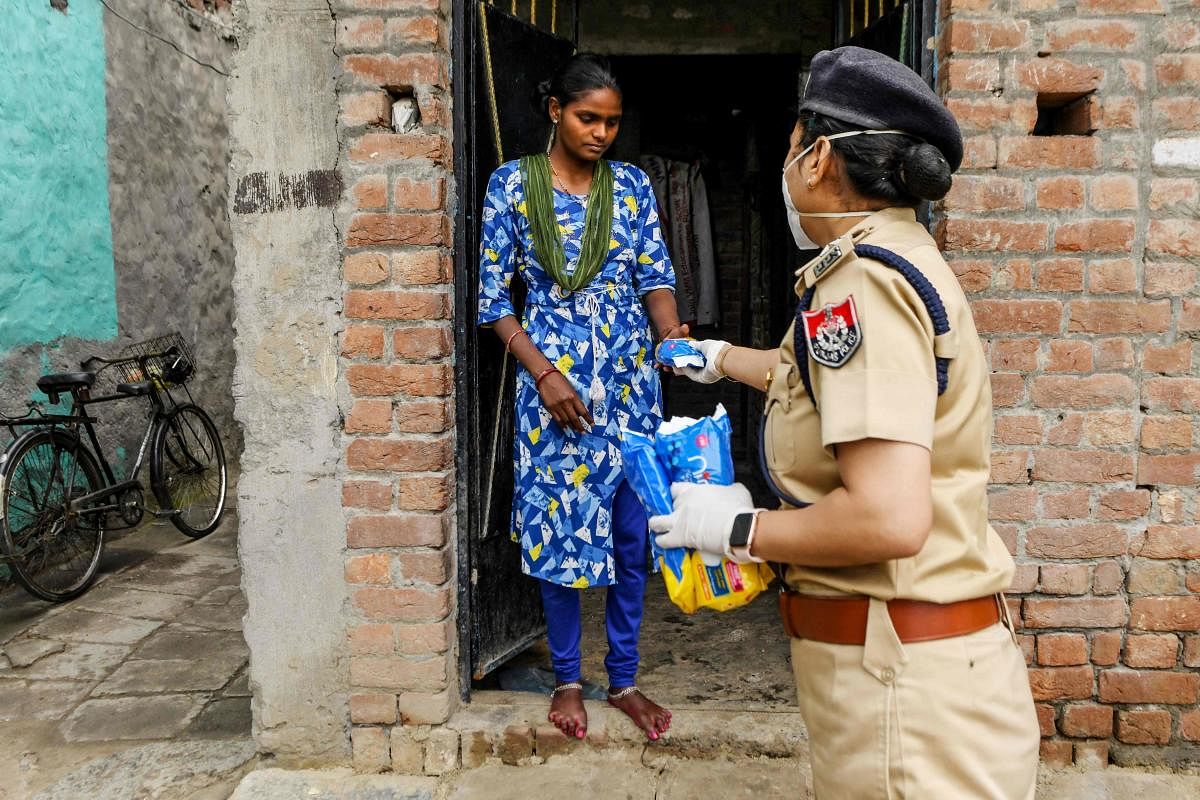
<point>283,186</point>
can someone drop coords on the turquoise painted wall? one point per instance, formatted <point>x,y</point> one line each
<point>56,255</point>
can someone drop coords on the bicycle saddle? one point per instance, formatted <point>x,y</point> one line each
<point>66,381</point>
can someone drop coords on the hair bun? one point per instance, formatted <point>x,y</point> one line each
<point>541,95</point>
<point>924,172</point>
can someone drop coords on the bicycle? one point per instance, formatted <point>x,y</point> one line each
<point>57,491</point>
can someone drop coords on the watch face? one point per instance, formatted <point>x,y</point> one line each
<point>741,530</point>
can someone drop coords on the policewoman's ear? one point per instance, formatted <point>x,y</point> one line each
<point>821,165</point>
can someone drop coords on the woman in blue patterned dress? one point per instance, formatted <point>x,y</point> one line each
<point>583,232</point>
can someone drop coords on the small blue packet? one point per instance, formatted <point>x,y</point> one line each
<point>678,353</point>
<point>645,473</point>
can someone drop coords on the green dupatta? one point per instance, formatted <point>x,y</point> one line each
<point>543,223</point>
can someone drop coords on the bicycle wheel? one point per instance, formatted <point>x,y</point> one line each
<point>187,470</point>
<point>53,552</point>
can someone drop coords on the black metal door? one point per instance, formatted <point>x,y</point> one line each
<point>500,607</point>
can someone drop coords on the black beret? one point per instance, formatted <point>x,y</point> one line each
<point>863,87</point>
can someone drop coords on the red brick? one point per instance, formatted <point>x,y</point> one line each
<point>1119,316</point>
<point>1177,69</point>
<point>403,605</point>
<point>1026,642</point>
<point>972,193</point>
<point>1014,504</point>
<point>419,195</point>
<point>1109,428</point>
<point>407,31</point>
<point>379,230</point>
<point>1122,7</point>
<point>1165,614</point>
<point>1061,683</point>
<point>433,416</point>
<point>1092,540</point>
<point>1152,650</point>
<point>373,709</point>
<point>1092,754</point>
<point>1172,394</point>
<point>981,36</point>
<point>1115,276</point>
<point>399,455</point>
<point>1009,466</point>
<point>365,268</point>
<point>1087,720</point>
<point>372,639</point>
<point>359,33</point>
<point>1045,715</point>
<point>973,275</point>
<point>972,74</point>
<point>1095,236</point>
<point>416,380</point>
<point>1106,612</point>
<point>1168,358</point>
<point>431,568</point>
<point>1068,355</point>
<point>1060,192</point>
<point>407,70</point>
<point>1008,535</point>
<point>1008,389</point>
<point>1166,433</point>
<point>362,341</point>
<point>1144,727</point>
<point>1015,354</point>
<point>1169,470</point>
<point>1082,466</point>
<point>369,749</point>
<point>1191,651</point>
<point>1062,649</point>
<point>420,493</point>
<point>370,192</point>
<point>365,108</point>
<point>1189,725</point>
<point>1171,541</point>
<point>1114,193</point>
<point>1176,114</point>
<point>1180,35</point>
<point>1106,648</point>
<point>1093,391</point>
<point>1124,504</point>
<point>1189,317</point>
<point>1025,578</point>
<point>1193,579</point>
<point>1068,432</point>
<point>995,235</point>
<point>1066,579</point>
<point>1056,752</point>
<point>979,152</point>
<point>1093,35</point>
<point>1066,505</point>
<point>1018,316</point>
<point>1153,577</point>
<point>422,342</point>
<point>374,569</point>
<point>1174,194</point>
<point>1049,152</point>
<point>1132,686</point>
<point>407,306</point>
<point>1172,279</point>
<point>1178,237</point>
<point>1057,79</point>
<point>402,530</point>
<point>421,267</point>
<point>1114,353</point>
<point>427,638</point>
<point>369,416</point>
<point>1119,112</point>
<point>434,108</point>
<point>1021,429</point>
<point>395,672</point>
<point>390,148</point>
<point>367,494</point>
<point>1060,274</point>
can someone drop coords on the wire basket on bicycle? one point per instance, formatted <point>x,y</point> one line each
<point>166,360</point>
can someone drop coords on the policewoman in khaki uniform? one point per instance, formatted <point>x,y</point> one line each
<point>877,438</point>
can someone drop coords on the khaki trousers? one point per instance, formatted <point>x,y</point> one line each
<point>948,719</point>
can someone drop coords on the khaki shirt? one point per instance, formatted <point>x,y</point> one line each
<point>887,389</point>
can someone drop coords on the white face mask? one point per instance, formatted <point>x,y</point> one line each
<point>803,240</point>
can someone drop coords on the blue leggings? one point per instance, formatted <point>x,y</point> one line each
<point>622,607</point>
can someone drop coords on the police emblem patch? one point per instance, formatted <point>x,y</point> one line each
<point>833,333</point>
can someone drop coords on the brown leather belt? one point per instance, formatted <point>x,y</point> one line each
<point>843,620</point>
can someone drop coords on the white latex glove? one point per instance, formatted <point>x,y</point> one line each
<point>712,349</point>
<point>703,519</point>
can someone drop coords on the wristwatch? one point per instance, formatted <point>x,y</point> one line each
<point>741,537</point>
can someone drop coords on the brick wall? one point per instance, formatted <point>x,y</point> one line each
<point>1079,255</point>
<point>396,362</point>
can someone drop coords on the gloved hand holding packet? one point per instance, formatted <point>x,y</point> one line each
<point>693,451</point>
<point>678,353</point>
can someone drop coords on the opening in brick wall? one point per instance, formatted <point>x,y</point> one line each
<point>405,113</point>
<point>1061,114</point>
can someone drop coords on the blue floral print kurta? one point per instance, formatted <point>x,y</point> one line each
<point>600,339</point>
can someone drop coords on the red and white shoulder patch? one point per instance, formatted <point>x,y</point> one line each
<point>833,332</point>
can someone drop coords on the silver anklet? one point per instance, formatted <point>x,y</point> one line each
<point>566,686</point>
<point>621,694</point>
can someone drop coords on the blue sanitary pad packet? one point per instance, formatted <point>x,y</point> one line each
<point>678,353</point>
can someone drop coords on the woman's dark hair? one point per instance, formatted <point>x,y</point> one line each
<point>583,73</point>
<point>894,167</point>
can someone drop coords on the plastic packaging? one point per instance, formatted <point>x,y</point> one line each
<point>678,353</point>
<point>693,451</point>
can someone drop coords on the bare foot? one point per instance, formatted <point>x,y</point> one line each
<point>567,712</point>
<point>645,713</point>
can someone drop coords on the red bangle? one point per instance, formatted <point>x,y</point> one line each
<point>537,382</point>
<point>508,341</point>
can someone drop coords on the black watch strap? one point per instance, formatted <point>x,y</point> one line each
<point>739,536</point>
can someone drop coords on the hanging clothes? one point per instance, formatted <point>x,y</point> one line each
<point>683,203</point>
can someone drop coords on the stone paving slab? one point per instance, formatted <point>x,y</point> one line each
<point>128,602</point>
<point>224,718</point>
<point>278,784</point>
<point>80,661</point>
<point>25,651</point>
<point>222,618</point>
<point>220,595</point>
<point>151,717</point>
<point>240,686</point>
<point>77,625</point>
<point>166,581</point>
<point>179,641</point>
<point>46,700</point>
<point>152,676</point>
